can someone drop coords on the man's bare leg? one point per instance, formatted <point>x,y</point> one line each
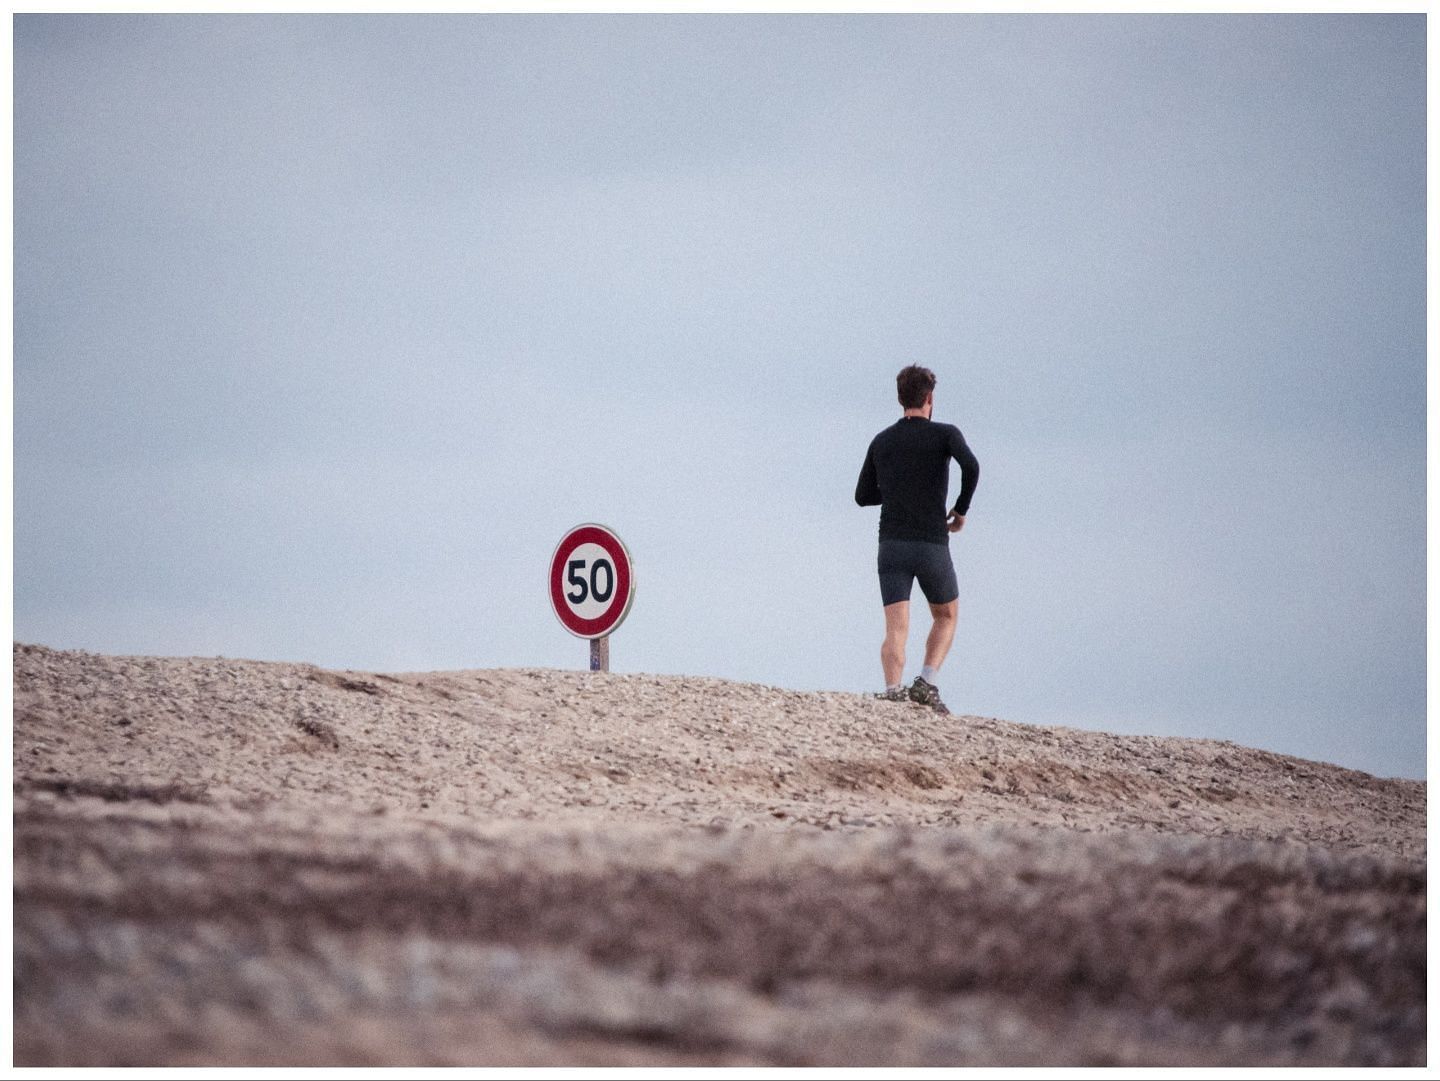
<point>897,629</point>
<point>942,633</point>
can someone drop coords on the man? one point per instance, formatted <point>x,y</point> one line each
<point>907,472</point>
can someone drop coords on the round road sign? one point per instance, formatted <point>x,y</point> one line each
<point>592,581</point>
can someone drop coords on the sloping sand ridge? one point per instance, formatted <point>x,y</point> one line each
<point>239,862</point>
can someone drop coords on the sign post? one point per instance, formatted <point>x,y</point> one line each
<point>592,584</point>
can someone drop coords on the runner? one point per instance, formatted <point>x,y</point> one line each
<point>907,474</point>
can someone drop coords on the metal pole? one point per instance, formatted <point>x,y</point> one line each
<point>600,654</point>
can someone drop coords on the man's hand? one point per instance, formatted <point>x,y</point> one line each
<point>956,522</point>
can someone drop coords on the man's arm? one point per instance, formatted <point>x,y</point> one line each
<point>969,471</point>
<point>867,490</point>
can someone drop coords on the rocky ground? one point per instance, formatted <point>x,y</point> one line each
<point>229,862</point>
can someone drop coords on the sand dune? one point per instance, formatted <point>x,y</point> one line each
<point>238,862</point>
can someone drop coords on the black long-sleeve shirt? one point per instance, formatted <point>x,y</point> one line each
<point>907,472</point>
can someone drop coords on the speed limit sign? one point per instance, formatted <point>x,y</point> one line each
<point>592,581</point>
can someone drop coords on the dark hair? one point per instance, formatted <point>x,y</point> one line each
<point>913,384</point>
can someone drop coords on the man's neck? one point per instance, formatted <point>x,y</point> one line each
<point>916,413</point>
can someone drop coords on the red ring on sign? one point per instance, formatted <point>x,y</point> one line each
<point>608,620</point>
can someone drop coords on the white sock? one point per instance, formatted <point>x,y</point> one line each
<point>894,686</point>
<point>929,674</point>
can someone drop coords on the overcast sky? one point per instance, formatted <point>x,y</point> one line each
<point>327,329</point>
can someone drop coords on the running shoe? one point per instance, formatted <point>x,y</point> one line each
<point>899,694</point>
<point>926,694</point>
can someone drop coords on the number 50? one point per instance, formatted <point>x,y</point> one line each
<point>592,587</point>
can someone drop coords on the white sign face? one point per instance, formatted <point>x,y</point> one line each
<point>592,581</point>
<point>589,584</point>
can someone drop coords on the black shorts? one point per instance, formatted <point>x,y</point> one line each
<point>900,562</point>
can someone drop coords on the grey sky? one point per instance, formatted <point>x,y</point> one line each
<point>327,328</point>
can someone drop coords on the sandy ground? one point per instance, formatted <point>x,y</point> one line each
<point>229,862</point>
